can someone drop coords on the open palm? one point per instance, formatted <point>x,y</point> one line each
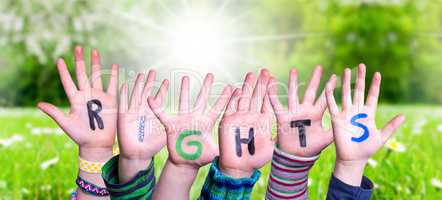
<point>312,137</point>
<point>77,124</point>
<point>356,136</point>
<point>247,119</point>
<point>140,133</point>
<point>189,134</point>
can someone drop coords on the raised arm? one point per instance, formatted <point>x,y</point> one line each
<point>140,137</point>
<point>245,141</point>
<point>355,134</point>
<point>91,122</point>
<point>301,137</point>
<point>189,138</point>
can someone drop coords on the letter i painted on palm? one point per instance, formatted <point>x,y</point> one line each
<point>141,128</point>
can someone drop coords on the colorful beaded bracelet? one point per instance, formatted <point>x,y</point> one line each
<point>90,188</point>
<point>90,167</point>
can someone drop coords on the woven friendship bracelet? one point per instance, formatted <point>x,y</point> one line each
<point>90,167</point>
<point>90,188</point>
<point>74,195</point>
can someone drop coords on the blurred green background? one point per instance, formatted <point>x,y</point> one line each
<point>401,39</point>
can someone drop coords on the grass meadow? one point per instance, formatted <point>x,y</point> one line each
<point>37,161</point>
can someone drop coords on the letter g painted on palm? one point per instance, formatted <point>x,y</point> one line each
<point>197,144</point>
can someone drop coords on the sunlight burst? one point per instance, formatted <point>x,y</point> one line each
<point>198,41</point>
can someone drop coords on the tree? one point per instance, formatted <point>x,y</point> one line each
<point>33,35</point>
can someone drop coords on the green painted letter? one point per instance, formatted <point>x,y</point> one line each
<point>198,145</point>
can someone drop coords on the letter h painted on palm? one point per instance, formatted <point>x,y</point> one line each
<point>250,141</point>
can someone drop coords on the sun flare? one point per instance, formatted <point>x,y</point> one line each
<point>198,42</point>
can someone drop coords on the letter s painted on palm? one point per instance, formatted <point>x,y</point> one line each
<point>366,133</point>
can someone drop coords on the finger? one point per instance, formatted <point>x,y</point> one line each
<point>266,107</point>
<point>293,89</point>
<point>373,93</point>
<point>148,86</point>
<point>273,96</point>
<point>246,93</point>
<point>113,82</point>
<point>392,126</point>
<point>310,93</point>
<point>157,103</point>
<point>80,69</point>
<point>203,96</point>
<point>321,103</point>
<point>346,89</point>
<point>135,99</point>
<point>221,103</point>
<point>260,91</point>
<point>233,102</point>
<point>162,91</point>
<point>184,95</point>
<point>331,102</point>
<point>358,99</point>
<point>327,138</point>
<point>52,111</point>
<point>96,71</point>
<point>66,79</point>
<point>123,105</point>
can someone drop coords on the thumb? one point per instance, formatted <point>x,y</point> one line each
<point>52,111</point>
<point>157,109</point>
<point>391,126</point>
<point>157,103</point>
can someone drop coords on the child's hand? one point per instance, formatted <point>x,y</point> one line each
<point>140,133</point>
<point>92,119</point>
<point>246,129</point>
<point>300,130</point>
<point>189,134</point>
<point>354,129</point>
<point>189,137</point>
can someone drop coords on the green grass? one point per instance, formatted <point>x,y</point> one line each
<point>404,175</point>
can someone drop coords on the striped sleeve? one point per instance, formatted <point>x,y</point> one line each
<point>140,187</point>
<point>289,176</point>
<point>220,187</point>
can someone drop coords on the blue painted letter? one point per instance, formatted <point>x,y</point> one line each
<point>366,133</point>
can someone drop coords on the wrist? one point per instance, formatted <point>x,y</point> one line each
<point>129,167</point>
<point>350,172</point>
<point>95,154</point>
<point>294,149</point>
<point>176,181</point>
<point>184,171</point>
<point>235,173</point>
<point>134,161</point>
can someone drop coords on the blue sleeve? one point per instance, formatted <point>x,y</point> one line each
<point>342,191</point>
<point>219,186</point>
